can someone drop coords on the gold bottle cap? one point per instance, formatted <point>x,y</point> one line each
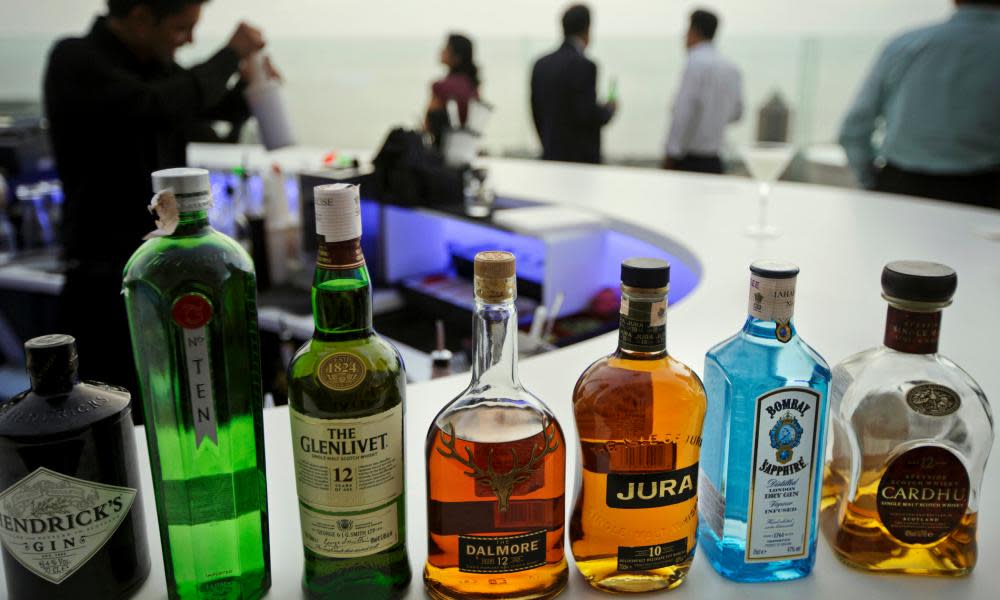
<point>495,276</point>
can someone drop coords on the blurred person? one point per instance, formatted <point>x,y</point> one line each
<point>564,106</point>
<point>710,98</point>
<point>461,84</point>
<point>936,90</point>
<point>119,108</point>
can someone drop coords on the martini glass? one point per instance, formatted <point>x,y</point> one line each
<point>766,162</point>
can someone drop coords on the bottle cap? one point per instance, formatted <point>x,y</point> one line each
<point>919,281</point>
<point>495,276</point>
<point>338,211</point>
<point>774,269</point>
<point>190,187</point>
<point>645,273</point>
<point>51,361</point>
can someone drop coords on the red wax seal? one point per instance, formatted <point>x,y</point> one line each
<point>192,311</point>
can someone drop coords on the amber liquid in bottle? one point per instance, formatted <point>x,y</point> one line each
<point>639,413</point>
<point>496,468</point>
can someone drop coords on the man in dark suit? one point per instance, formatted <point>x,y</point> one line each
<point>119,108</point>
<point>568,117</point>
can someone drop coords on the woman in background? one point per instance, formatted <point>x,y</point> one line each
<point>461,85</point>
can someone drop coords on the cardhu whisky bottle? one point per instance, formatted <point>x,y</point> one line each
<point>71,518</point>
<point>911,435</point>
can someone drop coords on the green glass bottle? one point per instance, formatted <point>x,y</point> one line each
<point>191,298</point>
<point>346,388</point>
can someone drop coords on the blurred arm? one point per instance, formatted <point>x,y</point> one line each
<point>585,107</point>
<point>859,124</point>
<point>685,111</point>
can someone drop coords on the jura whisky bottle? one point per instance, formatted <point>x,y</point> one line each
<point>192,307</point>
<point>71,517</point>
<point>639,413</point>
<point>761,463</point>
<point>496,467</point>
<point>346,391</point>
<point>911,435</point>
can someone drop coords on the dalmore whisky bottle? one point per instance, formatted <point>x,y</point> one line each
<point>496,467</point>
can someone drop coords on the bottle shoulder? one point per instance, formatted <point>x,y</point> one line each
<point>742,354</point>
<point>206,254</point>
<point>33,416</point>
<point>508,406</point>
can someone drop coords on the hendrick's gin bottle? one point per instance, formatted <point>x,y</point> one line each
<point>71,518</point>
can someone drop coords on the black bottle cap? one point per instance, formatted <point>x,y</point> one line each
<point>919,281</point>
<point>645,273</point>
<point>774,269</point>
<point>51,360</point>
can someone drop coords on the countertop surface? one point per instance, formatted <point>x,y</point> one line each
<point>840,239</point>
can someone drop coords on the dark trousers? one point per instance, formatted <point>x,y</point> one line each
<point>699,164</point>
<point>977,189</point>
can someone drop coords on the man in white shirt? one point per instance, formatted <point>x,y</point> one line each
<point>709,99</point>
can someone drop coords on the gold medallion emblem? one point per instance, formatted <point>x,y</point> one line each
<point>341,371</point>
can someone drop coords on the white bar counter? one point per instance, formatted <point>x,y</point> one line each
<point>840,239</point>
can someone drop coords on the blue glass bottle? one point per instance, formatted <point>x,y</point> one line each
<point>762,453</point>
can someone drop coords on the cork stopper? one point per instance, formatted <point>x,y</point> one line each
<point>495,277</point>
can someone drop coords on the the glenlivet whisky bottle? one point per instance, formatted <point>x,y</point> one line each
<point>761,463</point>
<point>192,307</point>
<point>911,435</point>
<point>71,518</point>
<point>346,390</point>
<point>639,414</point>
<point>496,467</point>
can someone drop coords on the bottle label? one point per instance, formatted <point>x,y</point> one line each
<point>341,371</point>
<point>192,313</point>
<point>923,495</point>
<point>53,524</point>
<point>648,558</point>
<point>349,535</point>
<point>933,400</point>
<point>338,217</point>
<point>711,505</point>
<point>784,471</point>
<point>912,332</point>
<point>642,325</point>
<point>501,554</point>
<point>651,490</point>
<point>773,300</point>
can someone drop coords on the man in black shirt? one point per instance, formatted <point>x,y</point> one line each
<point>119,108</point>
<point>564,104</point>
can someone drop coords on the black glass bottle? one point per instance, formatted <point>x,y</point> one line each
<point>71,516</point>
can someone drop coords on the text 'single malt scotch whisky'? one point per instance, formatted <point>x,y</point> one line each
<point>191,297</point>
<point>496,467</point>
<point>346,388</point>
<point>639,413</point>
<point>71,520</point>
<point>761,464</point>
<point>911,435</point>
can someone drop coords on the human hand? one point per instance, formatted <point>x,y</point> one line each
<point>668,163</point>
<point>250,72</point>
<point>612,106</point>
<point>246,40</point>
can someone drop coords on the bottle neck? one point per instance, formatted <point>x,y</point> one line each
<point>642,323</point>
<point>191,222</point>
<point>494,338</point>
<point>341,292</point>
<point>769,329</point>
<point>771,306</point>
<point>51,384</point>
<point>912,331</point>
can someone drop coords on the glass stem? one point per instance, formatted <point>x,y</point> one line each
<point>764,190</point>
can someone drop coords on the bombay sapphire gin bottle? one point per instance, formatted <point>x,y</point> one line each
<point>763,439</point>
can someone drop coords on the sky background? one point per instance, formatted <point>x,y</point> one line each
<point>354,69</point>
<point>489,17</point>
